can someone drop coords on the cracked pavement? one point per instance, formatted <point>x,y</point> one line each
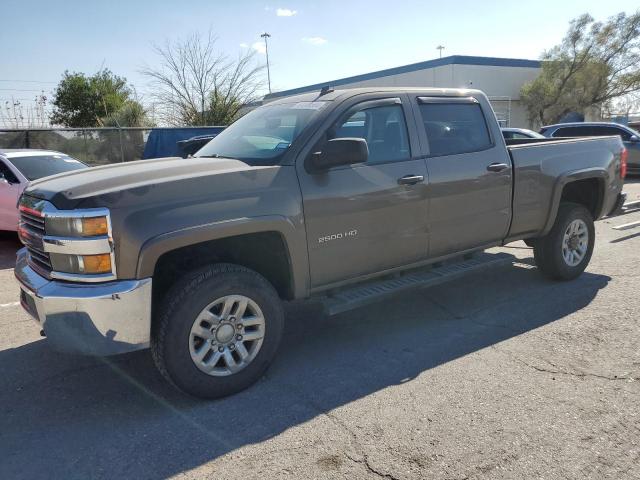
<point>501,375</point>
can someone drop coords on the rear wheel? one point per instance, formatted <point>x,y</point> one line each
<point>218,331</point>
<point>565,252</point>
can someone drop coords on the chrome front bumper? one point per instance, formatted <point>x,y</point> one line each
<point>92,319</point>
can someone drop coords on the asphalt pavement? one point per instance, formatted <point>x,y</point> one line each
<point>500,375</point>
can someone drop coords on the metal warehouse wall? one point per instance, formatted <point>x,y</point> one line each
<point>495,81</point>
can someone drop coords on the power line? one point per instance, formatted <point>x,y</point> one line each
<point>26,81</point>
<point>22,89</point>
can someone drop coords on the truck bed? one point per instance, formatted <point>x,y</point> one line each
<point>539,164</point>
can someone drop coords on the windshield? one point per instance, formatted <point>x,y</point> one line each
<point>262,136</point>
<point>34,167</point>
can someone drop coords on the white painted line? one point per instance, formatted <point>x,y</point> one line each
<point>12,304</point>
<point>627,226</point>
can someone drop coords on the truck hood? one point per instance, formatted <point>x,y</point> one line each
<point>67,191</point>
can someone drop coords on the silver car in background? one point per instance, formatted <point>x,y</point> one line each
<point>19,167</point>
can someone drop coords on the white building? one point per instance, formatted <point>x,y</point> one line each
<point>500,78</point>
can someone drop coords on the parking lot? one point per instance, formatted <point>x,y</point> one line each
<point>500,375</point>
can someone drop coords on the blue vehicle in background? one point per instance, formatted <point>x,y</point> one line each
<point>178,142</point>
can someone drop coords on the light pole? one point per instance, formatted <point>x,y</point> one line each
<point>265,35</point>
<point>440,47</point>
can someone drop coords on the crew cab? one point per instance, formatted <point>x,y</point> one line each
<point>331,195</point>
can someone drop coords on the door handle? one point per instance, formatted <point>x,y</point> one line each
<point>410,179</point>
<point>497,167</point>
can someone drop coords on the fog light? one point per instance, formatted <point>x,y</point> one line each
<point>91,264</point>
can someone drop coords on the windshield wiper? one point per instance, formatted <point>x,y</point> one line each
<point>215,155</point>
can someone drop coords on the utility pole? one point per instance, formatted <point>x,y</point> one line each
<point>440,47</point>
<point>265,35</point>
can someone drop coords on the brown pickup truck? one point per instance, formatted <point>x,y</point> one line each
<point>342,196</point>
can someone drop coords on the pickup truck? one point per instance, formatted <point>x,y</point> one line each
<point>330,196</point>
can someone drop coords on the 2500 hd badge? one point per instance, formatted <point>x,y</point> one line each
<point>338,236</point>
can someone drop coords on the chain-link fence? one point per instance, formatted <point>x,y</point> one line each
<point>101,146</point>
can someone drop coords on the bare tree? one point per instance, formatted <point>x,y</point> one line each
<point>197,85</point>
<point>15,114</point>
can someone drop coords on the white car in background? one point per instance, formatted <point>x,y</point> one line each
<point>17,168</point>
<point>519,133</point>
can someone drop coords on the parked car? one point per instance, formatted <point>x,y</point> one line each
<point>344,196</point>
<point>629,136</point>
<point>18,168</point>
<point>193,144</point>
<point>520,133</point>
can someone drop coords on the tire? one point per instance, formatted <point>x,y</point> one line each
<point>178,343</point>
<point>563,262</point>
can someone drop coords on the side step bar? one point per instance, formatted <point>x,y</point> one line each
<point>363,294</point>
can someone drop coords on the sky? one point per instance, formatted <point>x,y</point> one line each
<point>310,42</point>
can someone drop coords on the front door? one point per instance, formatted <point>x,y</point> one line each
<point>469,175</point>
<point>367,218</point>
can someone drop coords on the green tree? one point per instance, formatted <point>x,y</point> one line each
<point>83,101</point>
<point>130,114</point>
<point>596,63</point>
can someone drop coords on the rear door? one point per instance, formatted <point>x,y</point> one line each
<point>470,175</point>
<point>366,218</point>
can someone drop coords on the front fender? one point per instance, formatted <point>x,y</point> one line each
<point>295,243</point>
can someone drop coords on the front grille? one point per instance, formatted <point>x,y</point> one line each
<point>31,231</point>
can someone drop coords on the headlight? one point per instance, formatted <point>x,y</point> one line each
<point>77,227</point>
<point>79,244</point>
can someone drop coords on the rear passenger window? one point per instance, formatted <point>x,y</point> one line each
<point>606,131</point>
<point>454,128</point>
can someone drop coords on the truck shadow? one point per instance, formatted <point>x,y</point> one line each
<point>114,418</point>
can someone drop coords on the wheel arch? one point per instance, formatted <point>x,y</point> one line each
<point>585,187</point>
<point>268,245</point>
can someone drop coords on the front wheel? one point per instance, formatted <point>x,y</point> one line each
<point>218,330</point>
<point>564,253</point>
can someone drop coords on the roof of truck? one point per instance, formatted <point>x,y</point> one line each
<point>316,96</point>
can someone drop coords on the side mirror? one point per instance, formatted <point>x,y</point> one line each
<point>340,151</point>
<point>634,139</point>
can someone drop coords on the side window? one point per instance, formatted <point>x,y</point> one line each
<point>8,175</point>
<point>605,131</point>
<point>574,132</point>
<point>383,127</point>
<point>454,128</point>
